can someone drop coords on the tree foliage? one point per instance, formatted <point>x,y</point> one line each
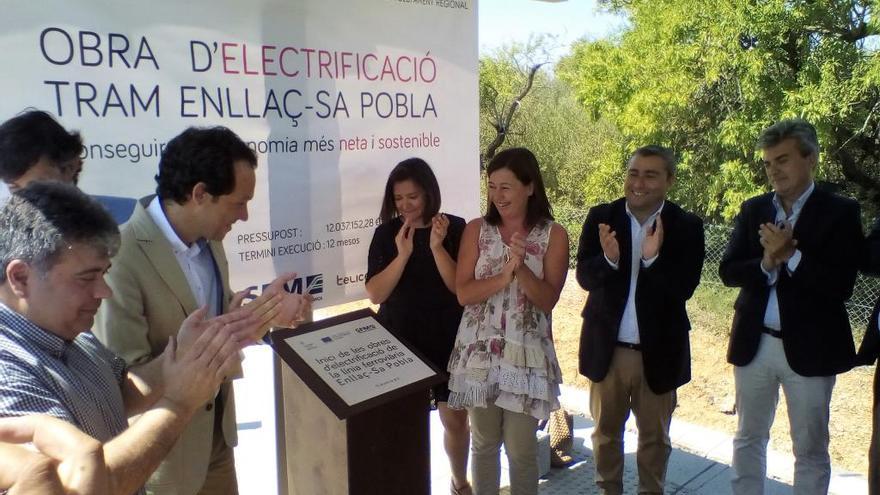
<point>505,81</point>
<point>706,78</point>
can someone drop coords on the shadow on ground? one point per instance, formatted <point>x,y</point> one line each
<point>687,473</point>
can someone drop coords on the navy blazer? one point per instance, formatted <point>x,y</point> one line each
<point>816,333</point>
<point>870,348</point>
<point>661,293</point>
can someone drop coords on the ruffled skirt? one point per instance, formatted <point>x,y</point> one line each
<point>508,360</point>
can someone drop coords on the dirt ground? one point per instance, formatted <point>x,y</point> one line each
<point>701,401</point>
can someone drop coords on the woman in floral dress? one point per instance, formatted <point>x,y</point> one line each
<point>511,268</point>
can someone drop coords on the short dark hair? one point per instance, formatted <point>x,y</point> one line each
<point>31,135</point>
<point>40,221</point>
<point>524,166</point>
<point>201,154</point>
<point>800,130</point>
<point>661,152</point>
<point>418,171</point>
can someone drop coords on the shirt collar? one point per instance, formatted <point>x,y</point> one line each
<point>796,207</point>
<point>17,324</point>
<point>157,213</point>
<point>650,218</point>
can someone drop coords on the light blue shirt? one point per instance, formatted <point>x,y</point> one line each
<point>629,322</point>
<point>195,260</point>
<point>771,315</point>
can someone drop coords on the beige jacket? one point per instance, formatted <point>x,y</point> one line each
<point>151,298</point>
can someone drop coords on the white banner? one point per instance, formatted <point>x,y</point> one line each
<point>330,93</point>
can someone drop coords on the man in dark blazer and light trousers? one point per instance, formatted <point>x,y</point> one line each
<point>867,355</point>
<point>794,253</point>
<point>640,258</point>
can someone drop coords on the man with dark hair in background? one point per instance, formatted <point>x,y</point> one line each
<point>640,258</point>
<point>34,146</point>
<point>794,254</point>
<point>172,262</point>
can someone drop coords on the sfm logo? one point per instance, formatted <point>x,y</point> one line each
<point>310,284</point>
<point>365,328</point>
<point>314,284</point>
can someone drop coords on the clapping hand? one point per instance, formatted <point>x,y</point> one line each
<point>653,240</point>
<point>293,308</point>
<point>66,461</point>
<point>516,254</point>
<point>276,307</point>
<point>778,244</point>
<point>239,324</point>
<point>608,241</point>
<point>518,248</point>
<point>404,239</point>
<point>193,373</point>
<point>439,227</point>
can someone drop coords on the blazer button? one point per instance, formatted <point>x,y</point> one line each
<point>209,407</point>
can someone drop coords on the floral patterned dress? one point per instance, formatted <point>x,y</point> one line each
<point>503,352</point>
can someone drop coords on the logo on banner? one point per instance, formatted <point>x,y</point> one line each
<point>365,328</point>
<point>350,279</point>
<point>312,285</point>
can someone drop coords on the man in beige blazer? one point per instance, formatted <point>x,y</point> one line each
<point>171,262</point>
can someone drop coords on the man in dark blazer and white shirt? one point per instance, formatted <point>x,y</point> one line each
<point>867,355</point>
<point>640,257</point>
<point>794,253</point>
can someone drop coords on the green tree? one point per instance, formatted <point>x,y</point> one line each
<point>705,79</point>
<point>506,79</point>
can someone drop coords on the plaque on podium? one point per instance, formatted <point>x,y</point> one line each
<point>354,409</point>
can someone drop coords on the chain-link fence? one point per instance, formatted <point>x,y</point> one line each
<point>865,293</point>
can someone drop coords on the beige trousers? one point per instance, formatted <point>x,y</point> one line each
<point>221,479</point>
<point>625,389</point>
<point>490,427</point>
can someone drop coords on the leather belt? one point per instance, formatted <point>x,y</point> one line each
<point>772,333</point>
<point>629,345</point>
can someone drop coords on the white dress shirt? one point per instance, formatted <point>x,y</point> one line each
<point>195,261</point>
<point>629,322</point>
<point>771,314</point>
